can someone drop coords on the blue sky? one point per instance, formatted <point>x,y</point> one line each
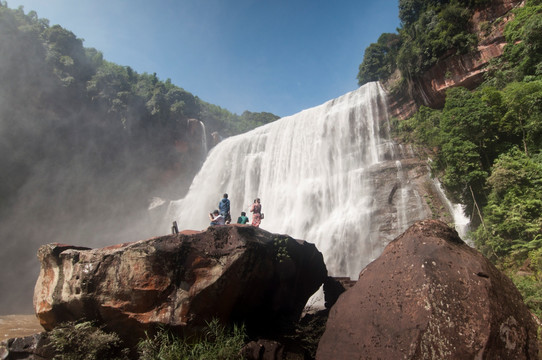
<point>278,56</point>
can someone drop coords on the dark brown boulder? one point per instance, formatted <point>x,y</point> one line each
<point>233,273</point>
<point>334,287</point>
<point>33,347</point>
<point>430,296</point>
<point>263,350</point>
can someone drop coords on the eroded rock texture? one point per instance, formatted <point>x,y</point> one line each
<point>430,296</point>
<point>454,69</point>
<point>233,273</point>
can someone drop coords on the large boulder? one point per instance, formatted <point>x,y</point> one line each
<point>430,296</point>
<point>233,273</point>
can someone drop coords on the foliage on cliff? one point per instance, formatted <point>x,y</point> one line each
<point>523,53</point>
<point>488,145</point>
<point>62,100</point>
<point>477,135</point>
<point>379,59</point>
<point>428,30</point>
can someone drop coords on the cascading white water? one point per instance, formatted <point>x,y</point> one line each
<point>313,173</point>
<point>203,138</point>
<point>461,222</point>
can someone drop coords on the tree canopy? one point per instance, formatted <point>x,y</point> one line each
<point>429,29</point>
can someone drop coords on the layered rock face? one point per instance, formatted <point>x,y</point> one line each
<point>233,273</point>
<point>430,296</point>
<point>403,194</point>
<point>460,69</point>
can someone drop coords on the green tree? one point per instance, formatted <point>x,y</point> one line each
<point>524,45</point>
<point>429,30</point>
<point>524,115</point>
<point>67,55</point>
<point>422,127</point>
<point>469,142</point>
<point>379,59</point>
<point>513,215</point>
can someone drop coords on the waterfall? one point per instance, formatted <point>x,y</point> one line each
<point>461,222</point>
<point>204,148</point>
<point>315,175</point>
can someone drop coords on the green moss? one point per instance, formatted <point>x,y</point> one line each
<point>280,245</point>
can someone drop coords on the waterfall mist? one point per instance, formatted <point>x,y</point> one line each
<point>329,175</point>
<point>71,171</point>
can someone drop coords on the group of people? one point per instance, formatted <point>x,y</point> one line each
<point>222,216</point>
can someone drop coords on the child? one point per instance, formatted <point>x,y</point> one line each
<point>243,219</point>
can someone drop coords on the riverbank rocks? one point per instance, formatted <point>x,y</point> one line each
<point>430,296</point>
<point>233,273</point>
<point>34,347</point>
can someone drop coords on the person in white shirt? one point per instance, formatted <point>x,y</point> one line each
<point>216,218</point>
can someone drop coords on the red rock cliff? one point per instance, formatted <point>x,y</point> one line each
<point>460,70</point>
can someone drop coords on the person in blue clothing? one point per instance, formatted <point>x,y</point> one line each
<point>224,207</point>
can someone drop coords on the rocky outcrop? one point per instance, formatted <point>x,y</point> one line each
<point>404,193</point>
<point>459,69</point>
<point>215,138</point>
<point>334,287</point>
<point>232,273</point>
<point>430,296</point>
<point>32,347</point>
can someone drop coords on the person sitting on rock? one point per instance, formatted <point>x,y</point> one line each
<point>216,218</point>
<point>243,219</point>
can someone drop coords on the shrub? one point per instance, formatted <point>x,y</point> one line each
<point>215,342</point>
<point>85,341</point>
<point>531,289</point>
